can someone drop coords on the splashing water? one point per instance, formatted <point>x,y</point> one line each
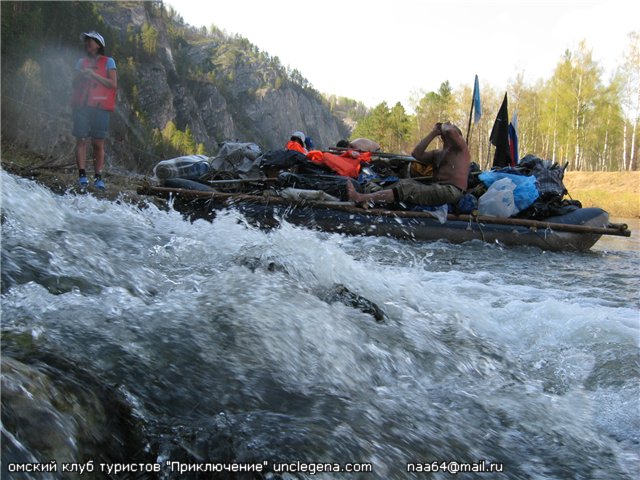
<point>219,334</point>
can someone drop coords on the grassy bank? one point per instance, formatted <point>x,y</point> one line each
<point>616,192</point>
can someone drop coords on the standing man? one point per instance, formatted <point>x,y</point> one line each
<point>450,167</point>
<point>94,98</point>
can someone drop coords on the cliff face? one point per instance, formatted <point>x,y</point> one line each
<point>214,85</point>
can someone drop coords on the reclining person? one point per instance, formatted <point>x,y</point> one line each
<point>450,173</point>
<point>361,144</point>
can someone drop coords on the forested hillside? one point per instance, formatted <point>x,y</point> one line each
<point>184,90</point>
<point>181,89</point>
<point>576,116</point>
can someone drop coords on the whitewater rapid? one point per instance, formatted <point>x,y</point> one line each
<point>218,331</point>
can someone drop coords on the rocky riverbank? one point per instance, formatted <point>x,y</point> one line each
<point>63,178</point>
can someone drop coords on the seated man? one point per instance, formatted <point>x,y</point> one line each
<point>296,142</point>
<point>450,172</point>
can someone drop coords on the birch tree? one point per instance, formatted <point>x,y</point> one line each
<point>630,78</point>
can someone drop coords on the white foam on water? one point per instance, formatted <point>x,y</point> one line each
<point>470,359</point>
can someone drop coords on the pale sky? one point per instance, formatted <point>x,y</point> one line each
<point>385,50</point>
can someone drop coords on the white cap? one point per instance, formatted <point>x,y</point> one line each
<point>299,135</point>
<point>95,35</point>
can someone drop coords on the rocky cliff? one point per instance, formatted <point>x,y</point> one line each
<point>207,85</point>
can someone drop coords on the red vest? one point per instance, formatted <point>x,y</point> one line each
<point>88,92</point>
<point>344,164</point>
<point>293,145</point>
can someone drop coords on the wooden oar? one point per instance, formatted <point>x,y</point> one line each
<point>240,181</point>
<point>349,207</point>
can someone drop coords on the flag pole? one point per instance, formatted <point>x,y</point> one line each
<point>471,110</point>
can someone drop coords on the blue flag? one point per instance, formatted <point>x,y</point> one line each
<point>477,106</point>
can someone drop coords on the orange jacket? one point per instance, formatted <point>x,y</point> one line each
<point>293,145</point>
<point>343,164</point>
<point>88,92</point>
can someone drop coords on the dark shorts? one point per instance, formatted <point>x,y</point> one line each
<point>90,122</point>
<point>412,191</point>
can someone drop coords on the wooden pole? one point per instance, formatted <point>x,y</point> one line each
<point>240,181</point>
<point>473,96</point>
<point>469,124</point>
<point>229,198</point>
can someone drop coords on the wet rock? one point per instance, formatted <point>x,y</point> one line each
<point>59,413</point>
<point>340,293</point>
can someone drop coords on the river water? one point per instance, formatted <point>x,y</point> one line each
<point>224,344</point>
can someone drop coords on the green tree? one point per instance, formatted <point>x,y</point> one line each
<point>427,113</point>
<point>188,142</point>
<point>602,135</point>
<point>149,38</point>
<point>169,131</point>
<point>374,125</point>
<point>434,107</point>
<point>399,126</point>
<point>569,107</point>
<point>629,74</point>
<point>389,127</point>
<point>524,100</point>
<point>446,101</point>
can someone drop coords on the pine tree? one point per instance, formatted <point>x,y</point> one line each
<point>399,127</point>
<point>375,125</point>
<point>189,143</point>
<point>149,39</point>
<point>169,131</point>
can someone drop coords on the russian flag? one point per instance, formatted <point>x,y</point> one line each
<point>513,139</point>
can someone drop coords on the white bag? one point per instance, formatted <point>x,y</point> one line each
<point>498,201</point>
<point>191,167</point>
<point>441,212</point>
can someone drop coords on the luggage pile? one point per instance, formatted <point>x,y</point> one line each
<point>522,205</point>
<point>533,189</point>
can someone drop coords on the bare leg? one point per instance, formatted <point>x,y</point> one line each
<point>81,153</point>
<point>98,154</point>
<point>382,196</point>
